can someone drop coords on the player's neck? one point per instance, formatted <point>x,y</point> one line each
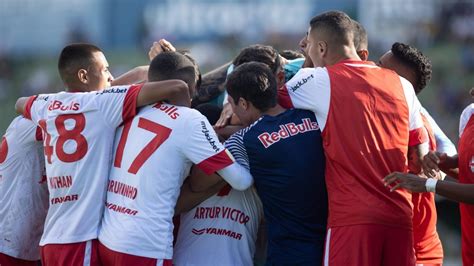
<point>346,52</point>
<point>274,111</point>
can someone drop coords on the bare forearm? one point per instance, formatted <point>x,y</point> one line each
<point>136,75</point>
<point>175,90</point>
<point>456,191</point>
<point>188,199</point>
<point>227,131</point>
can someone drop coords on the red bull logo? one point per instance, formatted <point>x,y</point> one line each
<point>286,131</point>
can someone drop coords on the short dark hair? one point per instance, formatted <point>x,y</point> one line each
<point>259,53</point>
<point>291,54</point>
<point>360,36</point>
<point>74,57</point>
<point>337,26</point>
<point>415,59</point>
<point>172,65</point>
<point>256,83</point>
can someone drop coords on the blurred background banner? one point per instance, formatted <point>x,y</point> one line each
<point>33,32</point>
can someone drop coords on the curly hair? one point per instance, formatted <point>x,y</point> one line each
<point>415,59</point>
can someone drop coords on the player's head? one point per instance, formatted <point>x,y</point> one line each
<point>291,54</point>
<point>173,65</point>
<point>361,42</point>
<point>252,90</point>
<point>409,63</point>
<point>330,38</point>
<point>83,67</point>
<point>263,54</point>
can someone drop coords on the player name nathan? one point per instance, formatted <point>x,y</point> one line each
<point>217,212</point>
<point>56,182</point>
<point>287,130</point>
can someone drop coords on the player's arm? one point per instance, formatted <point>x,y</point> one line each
<point>209,155</point>
<point>227,131</point>
<point>237,176</point>
<point>435,161</point>
<point>415,156</point>
<point>212,85</point>
<point>188,199</point>
<point>451,190</point>
<point>172,90</point>
<point>418,141</point>
<point>21,104</point>
<point>136,75</point>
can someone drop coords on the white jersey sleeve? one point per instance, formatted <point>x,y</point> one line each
<point>201,145</point>
<point>235,144</point>
<point>36,107</point>
<point>309,89</point>
<point>418,132</point>
<point>118,104</point>
<point>443,143</point>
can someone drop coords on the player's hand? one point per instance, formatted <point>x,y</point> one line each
<point>431,163</point>
<point>410,182</point>
<point>159,47</point>
<point>167,46</point>
<point>225,117</point>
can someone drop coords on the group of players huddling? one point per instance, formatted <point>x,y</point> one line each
<point>328,159</point>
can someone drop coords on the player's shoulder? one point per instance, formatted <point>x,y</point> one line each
<point>306,76</point>
<point>20,124</point>
<point>240,134</point>
<point>112,90</point>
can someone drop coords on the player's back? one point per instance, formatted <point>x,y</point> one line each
<point>153,155</point>
<point>226,223</point>
<point>23,191</point>
<point>79,129</point>
<point>366,137</point>
<point>286,160</point>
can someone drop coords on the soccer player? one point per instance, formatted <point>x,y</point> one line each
<point>283,150</point>
<point>192,247</point>
<point>153,155</point>
<point>411,64</point>
<point>78,127</point>
<point>23,193</point>
<point>462,191</point>
<point>368,116</point>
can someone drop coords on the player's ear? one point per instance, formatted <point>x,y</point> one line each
<point>363,54</point>
<point>280,78</point>
<point>82,76</point>
<point>323,48</point>
<point>243,103</point>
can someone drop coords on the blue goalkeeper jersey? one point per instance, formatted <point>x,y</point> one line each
<point>285,156</point>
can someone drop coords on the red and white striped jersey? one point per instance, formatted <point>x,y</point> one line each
<point>153,155</point>
<point>79,129</point>
<point>23,190</point>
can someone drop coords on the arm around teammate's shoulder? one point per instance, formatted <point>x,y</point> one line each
<point>237,176</point>
<point>172,90</point>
